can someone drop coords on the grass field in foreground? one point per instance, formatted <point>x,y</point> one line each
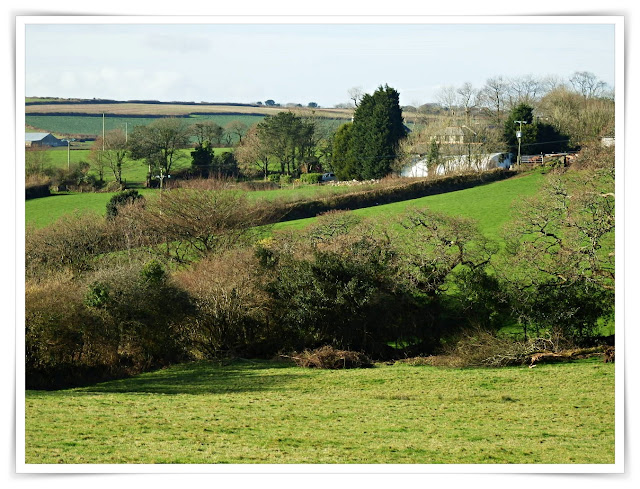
<point>262,412</point>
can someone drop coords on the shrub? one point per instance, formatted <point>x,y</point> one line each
<point>194,223</point>
<point>285,179</point>
<point>339,290</point>
<point>327,357</point>
<point>64,340</point>
<point>72,242</point>
<point>310,178</point>
<point>141,307</point>
<point>114,186</point>
<point>125,197</point>
<point>231,305</point>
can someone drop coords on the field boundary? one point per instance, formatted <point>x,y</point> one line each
<point>389,195</point>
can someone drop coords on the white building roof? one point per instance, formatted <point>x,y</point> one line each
<point>35,136</point>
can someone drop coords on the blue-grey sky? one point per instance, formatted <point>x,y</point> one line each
<point>295,63</point>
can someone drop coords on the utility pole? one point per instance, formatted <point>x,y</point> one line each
<point>519,136</point>
<point>103,131</point>
<point>68,141</point>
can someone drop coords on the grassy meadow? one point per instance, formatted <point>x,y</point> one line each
<point>488,204</point>
<point>266,412</point>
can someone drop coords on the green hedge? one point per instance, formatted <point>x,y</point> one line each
<point>310,177</point>
<point>35,191</point>
<point>393,193</point>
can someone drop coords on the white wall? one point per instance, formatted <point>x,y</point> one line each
<point>459,163</point>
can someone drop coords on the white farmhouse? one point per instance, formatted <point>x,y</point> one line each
<point>461,163</point>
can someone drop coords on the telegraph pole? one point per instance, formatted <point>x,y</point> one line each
<point>68,141</point>
<point>519,136</point>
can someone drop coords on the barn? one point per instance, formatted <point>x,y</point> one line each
<point>34,139</point>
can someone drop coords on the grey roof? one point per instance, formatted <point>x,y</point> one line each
<point>35,136</point>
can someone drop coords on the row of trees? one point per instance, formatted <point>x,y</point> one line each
<point>557,115</point>
<point>160,145</point>
<point>501,94</point>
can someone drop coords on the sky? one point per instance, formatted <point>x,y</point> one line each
<point>301,63</point>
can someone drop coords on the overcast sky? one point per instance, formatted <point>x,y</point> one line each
<point>294,63</point>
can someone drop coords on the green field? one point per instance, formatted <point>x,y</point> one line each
<point>488,204</point>
<point>92,125</point>
<point>46,210</point>
<point>262,412</point>
<point>133,172</point>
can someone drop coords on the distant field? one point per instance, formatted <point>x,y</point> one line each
<point>92,125</point>
<point>179,110</point>
<point>266,412</point>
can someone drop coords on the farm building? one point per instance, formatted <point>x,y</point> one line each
<point>33,139</point>
<point>478,162</point>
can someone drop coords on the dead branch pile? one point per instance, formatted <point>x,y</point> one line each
<point>328,357</point>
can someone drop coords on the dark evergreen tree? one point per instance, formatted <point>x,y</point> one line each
<point>377,131</point>
<point>537,137</point>
<point>202,159</point>
<point>343,162</point>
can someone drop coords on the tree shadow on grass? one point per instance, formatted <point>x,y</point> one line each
<point>205,378</point>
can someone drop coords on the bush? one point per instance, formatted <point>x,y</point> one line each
<point>114,186</point>
<point>125,197</point>
<point>327,357</point>
<point>231,306</point>
<point>117,321</point>
<point>72,242</point>
<point>337,290</point>
<point>141,307</point>
<point>285,179</point>
<point>194,223</point>
<point>63,339</point>
<point>310,178</point>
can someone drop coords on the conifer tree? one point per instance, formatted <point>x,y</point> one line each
<point>375,134</point>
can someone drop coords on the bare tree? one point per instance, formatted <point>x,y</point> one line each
<point>586,83</point>
<point>493,96</point>
<point>237,128</point>
<point>253,154</point>
<point>356,95</point>
<point>207,131</point>
<point>551,82</point>
<point>160,144</point>
<point>467,99</point>
<point>113,156</point>
<point>524,90</point>
<point>447,97</point>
